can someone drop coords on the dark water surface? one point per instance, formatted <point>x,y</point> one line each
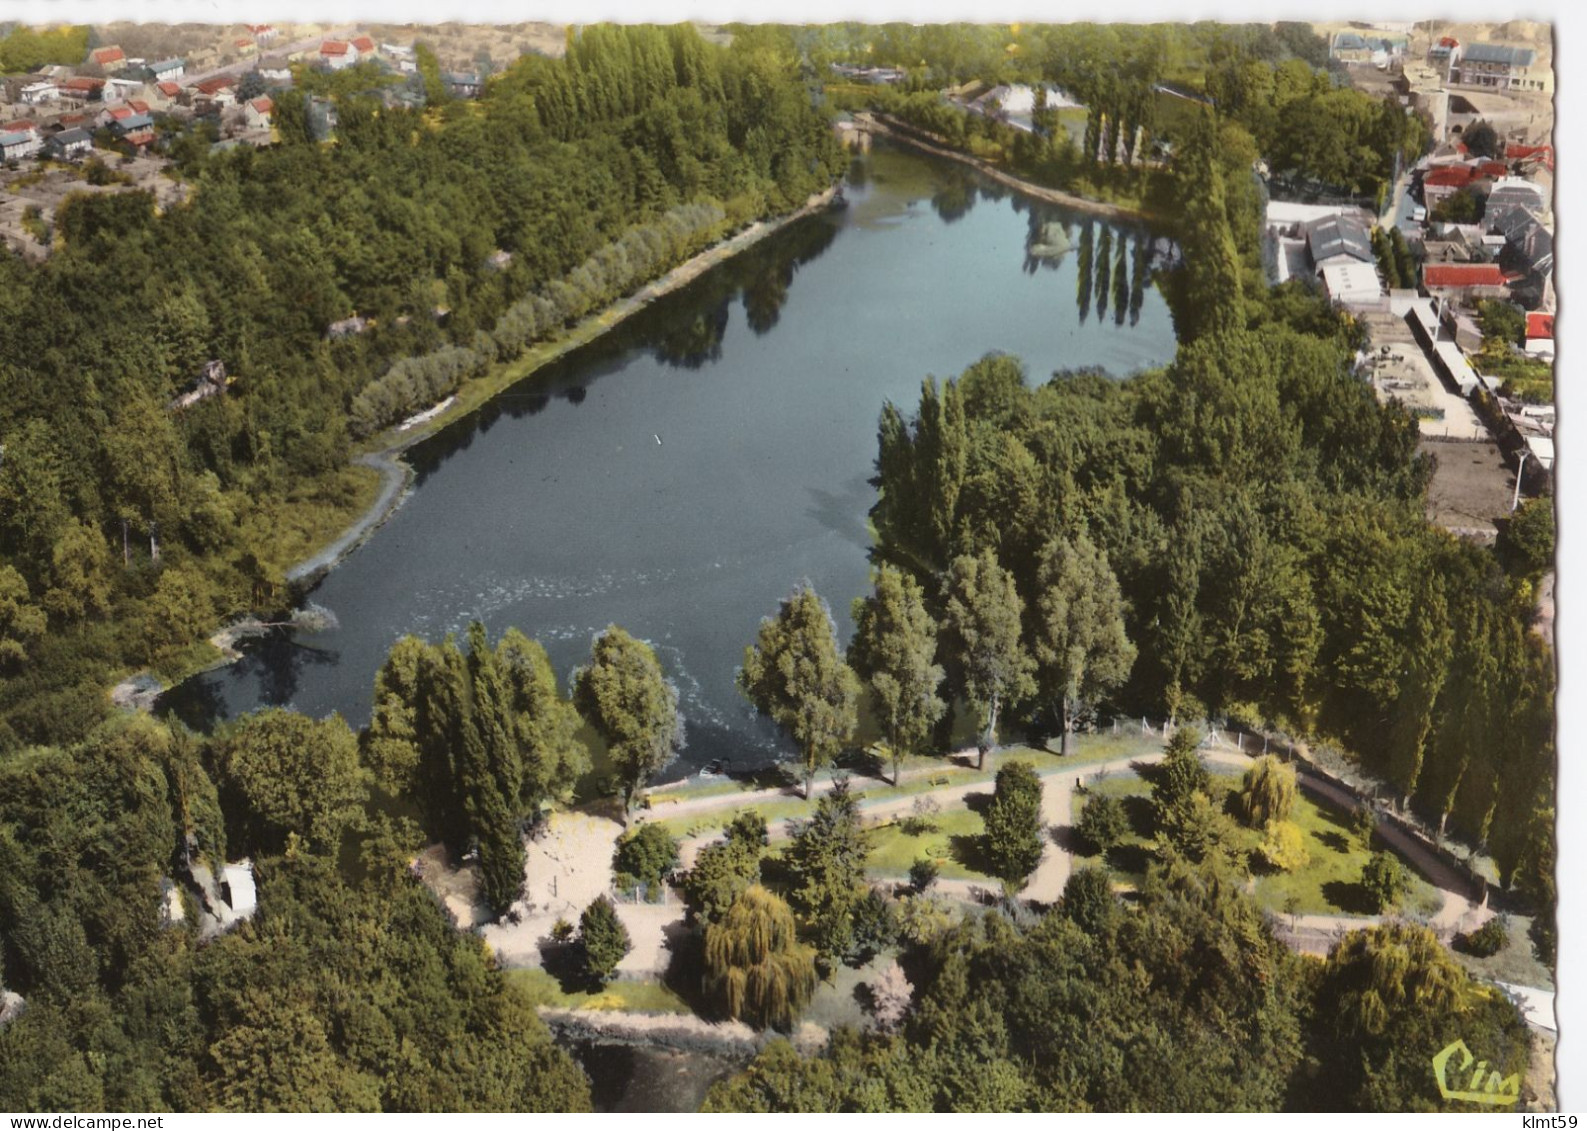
<point>679,476</point>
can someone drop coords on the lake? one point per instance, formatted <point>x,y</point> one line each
<point>679,476</point>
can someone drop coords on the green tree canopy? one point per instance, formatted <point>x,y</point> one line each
<point>603,940</point>
<point>756,967</point>
<point>626,698</point>
<point>288,774</point>
<point>795,674</point>
<point>982,622</point>
<point>1079,643</point>
<point>894,650</point>
<point>1015,835</point>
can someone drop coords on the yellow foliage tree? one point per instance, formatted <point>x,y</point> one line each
<point>755,964</point>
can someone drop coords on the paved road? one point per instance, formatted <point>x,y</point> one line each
<point>247,63</point>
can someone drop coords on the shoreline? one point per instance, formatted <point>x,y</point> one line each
<point>396,476</point>
<point>887,126</point>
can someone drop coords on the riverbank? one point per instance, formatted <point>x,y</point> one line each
<point>892,128</point>
<point>384,453</point>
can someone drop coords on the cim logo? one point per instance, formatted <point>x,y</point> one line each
<point>1483,1086</point>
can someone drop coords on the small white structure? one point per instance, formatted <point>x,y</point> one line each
<point>238,887</point>
<point>36,93</point>
<point>171,910</point>
<point>1350,283</point>
<point>1542,449</point>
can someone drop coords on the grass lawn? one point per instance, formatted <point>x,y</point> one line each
<point>1328,885</point>
<point>952,846</point>
<point>633,997</point>
<point>1517,963</point>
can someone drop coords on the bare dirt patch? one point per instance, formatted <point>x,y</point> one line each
<point>1471,487</point>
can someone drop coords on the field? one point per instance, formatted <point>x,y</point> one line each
<point>633,997</point>
<point>1471,486</point>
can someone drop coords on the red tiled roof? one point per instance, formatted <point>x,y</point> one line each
<point>1457,175</point>
<point>20,126</point>
<point>169,89</point>
<point>1449,41</point>
<point>215,85</point>
<point>333,47</point>
<point>1492,169</point>
<point>1539,325</point>
<point>139,105</point>
<point>1462,275</point>
<point>263,105</point>
<point>108,55</point>
<point>120,112</point>
<point>70,120</point>
<point>364,44</point>
<point>1544,153</point>
<point>82,82</point>
<point>142,137</point>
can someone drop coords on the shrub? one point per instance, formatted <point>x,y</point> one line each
<point>1488,939</point>
<point>890,997</point>
<point>923,873</point>
<point>1267,795</point>
<point>645,855</point>
<point>603,939</point>
<point>561,931</point>
<point>1384,879</point>
<point>1103,822</point>
<point>1013,824</point>
<point>1284,848</point>
<point>873,927</point>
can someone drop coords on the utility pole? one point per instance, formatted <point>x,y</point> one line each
<point>1516,501</point>
<point>126,547</point>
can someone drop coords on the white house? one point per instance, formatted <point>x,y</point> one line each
<point>36,93</point>
<point>257,113</point>
<point>336,54</point>
<point>168,70</point>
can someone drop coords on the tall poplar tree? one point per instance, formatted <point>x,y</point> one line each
<point>795,674</point>
<point>1079,641</point>
<point>983,622</point>
<point>894,650</point>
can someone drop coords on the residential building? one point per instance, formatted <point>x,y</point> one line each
<point>257,113</point>
<point>1338,240</point>
<point>363,45</point>
<point>120,90</point>
<point>168,70</point>
<point>336,54</point>
<point>69,144</point>
<point>1443,53</point>
<point>111,59</point>
<point>82,89</point>
<point>1540,334</point>
<point>109,116</point>
<point>463,85</point>
<point>38,93</point>
<point>1353,47</point>
<point>1350,283</point>
<point>1465,281</point>
<point>16,146</point>
<point>165,94</point>
<point>1509,195</point>
<point>1501,67</point>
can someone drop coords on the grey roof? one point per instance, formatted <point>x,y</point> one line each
<point>167,65</point>
<point>136,122</point>
<point>74,136</point>
<point>1499,53</point>
<point>1338,235</point>
<point>15,139</point>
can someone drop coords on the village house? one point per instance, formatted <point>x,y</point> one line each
<point>82,89</point>
<point>1464,282</point>
<point>1380,50</point>
<point>136,130</point>
<point>1511,194</point>
<point>109,59</point>
<point>1444,52</point>
<point>363,45</point>
<point>110,115</point>
<point>1501,67</point>
<point>164,95</point>
<point>167,70</point>
<point>1337,240</point>
<point>464,84</point>
<point>1529,257</point>
<point>276,72</point>
<point>1443,181</point>
<point>38,93</point>
<point>263,33</point>
<point>244,46</point>
<point>401,57</point>
<point>336,54</point>
<point>1540,334</point>
<point>68,145</point>
<point>120,90</point>
<point>20,139</point>
<point>256,114</point>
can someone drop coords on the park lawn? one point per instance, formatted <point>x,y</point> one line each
<point>1328,885</point>
<point>1517,963</point>
<point>1128,858</point>
<point>952,846</point>
<point>543,988</point>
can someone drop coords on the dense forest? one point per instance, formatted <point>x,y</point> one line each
<point>129,528</point>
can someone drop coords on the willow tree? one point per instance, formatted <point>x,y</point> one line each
<point>894,650</point>
<point>795,674</point>
<point>983,623</point>
<point>1080,646</point>
<point>755,964</point>
<point>626,698</point>
<point>1267,792</point>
